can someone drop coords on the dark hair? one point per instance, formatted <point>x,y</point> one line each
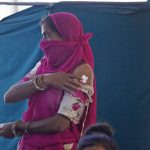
<point>99,134</point>
<point>104,128</point>
<point>50,23</point>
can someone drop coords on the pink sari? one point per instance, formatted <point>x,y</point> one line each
<point>63,56</point>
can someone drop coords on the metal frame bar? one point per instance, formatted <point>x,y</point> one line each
<point>77,2</point>
<point>25,3</point>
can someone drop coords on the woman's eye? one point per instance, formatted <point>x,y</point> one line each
<point>45,36</point>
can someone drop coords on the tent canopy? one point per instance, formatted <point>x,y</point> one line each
<point>122,59</point>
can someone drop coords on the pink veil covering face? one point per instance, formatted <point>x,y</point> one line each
<point>63,56</point>
<point>67,54</point>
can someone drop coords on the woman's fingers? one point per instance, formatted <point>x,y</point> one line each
<point>71,86</point>
<point>2,133</point>
<point>71,83</point>
<point>66,81</point>
<point>66,89</point>
<point>75,83</point>
<point>6,131</point>
<point>73,76</point>
<point>74,80</point>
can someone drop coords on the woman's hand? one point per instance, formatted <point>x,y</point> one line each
<point>65,81</point>
<point>6,131</point>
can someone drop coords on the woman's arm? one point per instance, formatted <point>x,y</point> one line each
<point>22,90</point>
<point>59,123</point>
<point>50,125</point>
<point>19,91</point>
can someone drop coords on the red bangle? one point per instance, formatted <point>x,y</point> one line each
<point>26,131</point>
<point>13,128</point>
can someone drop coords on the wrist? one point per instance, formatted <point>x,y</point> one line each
<point>17,128</point>
<point>22,128</point>
<point>47,79</point>
<point>38,82</point>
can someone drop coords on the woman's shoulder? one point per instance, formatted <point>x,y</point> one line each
<point>86,70</point>
<point>84,67</point>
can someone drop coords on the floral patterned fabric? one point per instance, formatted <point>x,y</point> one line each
<point>73,105</point>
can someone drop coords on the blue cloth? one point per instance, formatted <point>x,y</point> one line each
<point>19,47</point>
<point>122,61</point>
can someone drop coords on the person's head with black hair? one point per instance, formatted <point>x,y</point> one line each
<point>97,137</point>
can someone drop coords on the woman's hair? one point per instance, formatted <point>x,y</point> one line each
<point>50,23</point>
<point>99,134</point>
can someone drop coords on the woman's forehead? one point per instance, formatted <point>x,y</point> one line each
<point>45,28</point>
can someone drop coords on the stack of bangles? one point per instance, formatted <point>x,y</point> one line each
<point>18,131</point>
<point>38,82</point>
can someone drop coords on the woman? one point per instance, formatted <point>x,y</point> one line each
<point>97,137</point>
<point>59,89</point>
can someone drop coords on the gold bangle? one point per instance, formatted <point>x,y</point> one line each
<point>40,83</point>
<point>34,80</point>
